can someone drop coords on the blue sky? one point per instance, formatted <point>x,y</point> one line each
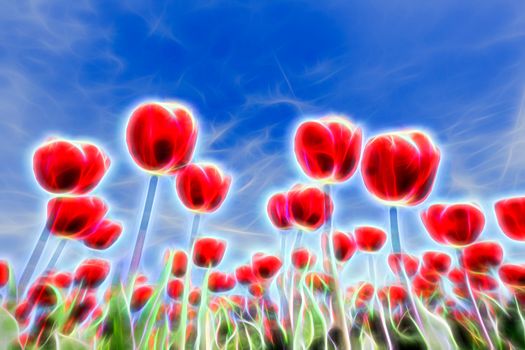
<point>253,70</point>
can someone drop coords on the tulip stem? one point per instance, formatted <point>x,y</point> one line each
<point>282,288</point>
<point>141,236</point>
<point>396,249</point>
<point>187,282</point>
<point>339,312</point>
<point>56,255</point>
<point>372,271</point>
<point>473,300</point>
<point>30,267</point>
<point>298,239</point>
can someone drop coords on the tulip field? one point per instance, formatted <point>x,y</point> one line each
<point>463,293</point>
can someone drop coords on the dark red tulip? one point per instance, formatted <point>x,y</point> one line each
<point>328,149</point>
<point>344,246</point>
<point>410,263</point>
<point>80,312</point>
<point>62,166</point>
<point>309,207</point>
<point>482,256</point>
<point>400,167</point>
<point>141,295</point>
<point>510,213</point>
<point>180,263</point>
<point>437,261</point>
<point>244,275</point>
<point>202,187</point>
<point>4,273</point>
<point>42,294</point>
<point>103,235</point>
<point>513,275</point>
<point>161,137</point>
<point>175,288</point>
<point>208,252</point>
<point>454,224</point>
<point>277,209</point>
<point>91,273</point>
<point>369,238</point>
<point>220,282</point>
<point>429,274</point>
<point>74,217</point>
<point>265,266</point>
<point>302,258</point>
<point>482,282</point>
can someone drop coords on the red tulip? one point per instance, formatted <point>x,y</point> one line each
<point>220,282</point>
<point>42,294</point>
<point>302,258</point>
<point>141,295</point>
<point>456,276</point>
<point>62,280</point>
<point>175,288</point>
<point>400,167</point>
<point>429,274</point>
<point>437,261</point>
<point>410,263</point>
<point>4,273</point>
<point>513,275</point>
<point>62,166</point>
<point>320,282</point>
<point>511,217</point>
<point>453,224</point>
<point>265,266</point>
<point>277,209</point>
<point>194,297</point>
<point>369,239</point>
<point>92,272</point>
<point>256,289</point>
<point>244,275</point>
<point>104,235</point>
<point>74,217</point>
<point>161,137</point>
<point>309,207</point>
<point>208,252</point>
<point>365,293</point>
<point>81,310</point>
<point>180,263</point>
<point>23,311</point>
<point>344,246</point>
<point>482,256</point>
<point>424,288</point>
<point>202,187</point>
<point>328,149</point>
<point>396,294</point>
<point>482,282</point>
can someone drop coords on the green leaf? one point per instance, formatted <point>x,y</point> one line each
<point>8,329</point>
<point>117,325</point>
<point>437,332</point>
<point>68,343</point>
<point>148,315</point>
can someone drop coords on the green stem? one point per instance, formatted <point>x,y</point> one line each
<point>181,332</point>
<point>339,312</point>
